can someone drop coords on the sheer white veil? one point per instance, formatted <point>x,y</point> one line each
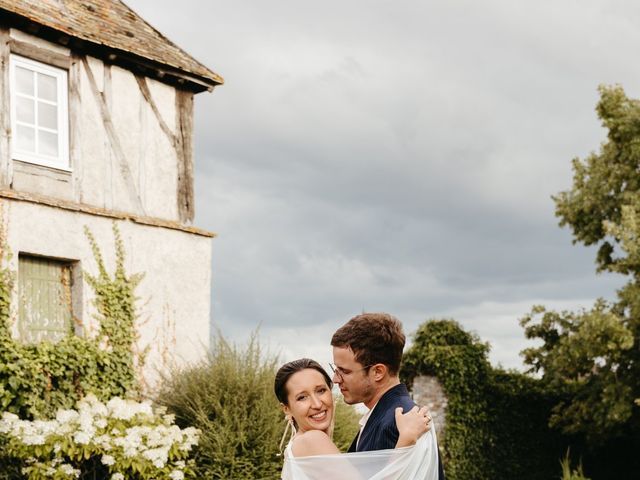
<point>419,462</point>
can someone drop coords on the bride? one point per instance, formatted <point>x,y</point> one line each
<point>303,388</point>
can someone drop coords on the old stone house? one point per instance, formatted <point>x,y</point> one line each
<point>96,115</point>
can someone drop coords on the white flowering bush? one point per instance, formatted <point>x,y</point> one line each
<point>119,440</point>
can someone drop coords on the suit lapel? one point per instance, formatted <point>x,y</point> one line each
<point>379,411</point>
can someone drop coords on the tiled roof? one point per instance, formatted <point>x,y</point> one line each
<point>112,24</point>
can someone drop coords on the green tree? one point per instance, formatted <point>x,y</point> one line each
<point>592,357</point>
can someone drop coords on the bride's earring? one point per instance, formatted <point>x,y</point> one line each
<point>288,427</point>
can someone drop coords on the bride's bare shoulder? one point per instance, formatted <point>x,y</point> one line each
<point>313,442</point>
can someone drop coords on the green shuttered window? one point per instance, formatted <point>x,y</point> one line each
<point>45,299</point>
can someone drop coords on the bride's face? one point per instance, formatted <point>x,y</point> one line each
<point>310,400</point>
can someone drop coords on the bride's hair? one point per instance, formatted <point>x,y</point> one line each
<point>288,369</point>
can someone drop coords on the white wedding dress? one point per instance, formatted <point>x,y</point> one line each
<point>419,462</point>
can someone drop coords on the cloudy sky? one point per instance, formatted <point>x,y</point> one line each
<point>396,156</point>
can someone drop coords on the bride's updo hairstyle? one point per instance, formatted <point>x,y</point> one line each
<point>288,369</point>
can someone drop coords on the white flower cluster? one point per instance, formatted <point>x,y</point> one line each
<point>116,431</point>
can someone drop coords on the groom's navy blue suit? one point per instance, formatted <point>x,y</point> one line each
<point>381,432</point>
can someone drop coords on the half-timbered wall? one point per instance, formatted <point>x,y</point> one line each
<point>129,137</point>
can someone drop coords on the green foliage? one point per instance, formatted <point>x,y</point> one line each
<point>522,444</point>
<point>115,301</point>
<point>593,357</point>
<point>10,468</point>
<point>581,358</point>
<point>120,439</point>
<point>229,397</point>
<point>458,359</point>
<point>496,421</point>
<point>346,424</point>
<point>7,280</point>
<point>37,379</point>
<point>569,473</point>
<point>607,180</point>
<point>588,362</point>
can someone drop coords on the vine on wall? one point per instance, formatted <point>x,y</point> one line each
<point>38,379</point>
<point>458,360</point>
<point>497,421</point>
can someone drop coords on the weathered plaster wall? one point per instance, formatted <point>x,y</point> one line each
<point>123,150</point>
<point>427,391</point>
<point>174,295</point>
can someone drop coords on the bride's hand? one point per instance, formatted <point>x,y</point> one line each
<point>411,425</point>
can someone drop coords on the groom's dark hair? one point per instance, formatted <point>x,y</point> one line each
<point>373,338</point>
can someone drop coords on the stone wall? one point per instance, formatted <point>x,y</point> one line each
<point>428,391</point>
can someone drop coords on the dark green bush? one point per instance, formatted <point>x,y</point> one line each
<point>497,421</point>
<point>10,468</point>
<point>524,446</point>
<point>459,360</point>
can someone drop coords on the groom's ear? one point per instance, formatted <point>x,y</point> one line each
<point>380,371</point>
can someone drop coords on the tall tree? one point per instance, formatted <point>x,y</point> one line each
<point>593,356</point>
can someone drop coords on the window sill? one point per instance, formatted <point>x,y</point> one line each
<point>44,164</point>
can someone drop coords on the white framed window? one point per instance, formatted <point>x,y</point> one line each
<point>39,113</point>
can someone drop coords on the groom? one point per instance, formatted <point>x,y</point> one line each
<point>367,351</point>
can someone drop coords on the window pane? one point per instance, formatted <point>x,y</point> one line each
<point>25,110</point>
<point>47,89</point>
<point>26,138</point>
<point>47,116</point>
<point>24,81</point>
<point>47,143</point>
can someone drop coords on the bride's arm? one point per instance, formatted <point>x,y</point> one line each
<point>313,442</point>
<point>411,425</point>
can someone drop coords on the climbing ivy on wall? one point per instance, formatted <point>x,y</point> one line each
<point>37,379</point>
<point>458,359</point>
<point>496,420</point>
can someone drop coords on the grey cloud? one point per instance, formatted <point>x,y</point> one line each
<point>396,155</point>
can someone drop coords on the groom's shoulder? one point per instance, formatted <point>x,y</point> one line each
<point>395,397</point>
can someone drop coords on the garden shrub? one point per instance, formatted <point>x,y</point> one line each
<point>497,421</point>
<point>458,360</point>
<point>121,439</point>
<point>346,424</point>
<point>523,444</point>
<point>229,397</point>
<point>38,379</point>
